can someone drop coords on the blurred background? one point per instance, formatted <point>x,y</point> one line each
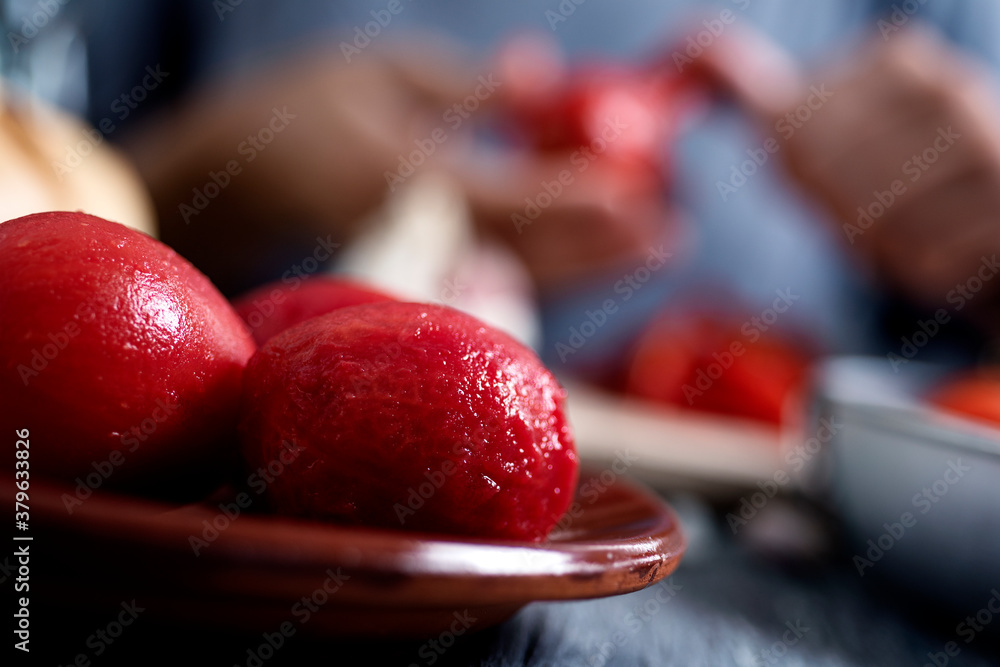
<point>755,238</point>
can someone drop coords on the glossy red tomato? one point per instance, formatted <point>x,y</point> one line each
<point>705,363</point>
<point>120,358</point>
<point>271,309</point>
<point>411,416</point>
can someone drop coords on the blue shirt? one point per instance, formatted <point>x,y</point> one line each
<point>765,238</point>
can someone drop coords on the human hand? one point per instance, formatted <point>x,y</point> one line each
<point>581,189</point>
<point>349,134</point>
<point>295,150</point>
<point>902,143</point>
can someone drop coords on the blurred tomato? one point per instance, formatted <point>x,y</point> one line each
<point>972,394</point>
<point>623,114</point>
<point>705,362</point>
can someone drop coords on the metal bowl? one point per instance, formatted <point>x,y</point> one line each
<point>918,489</point>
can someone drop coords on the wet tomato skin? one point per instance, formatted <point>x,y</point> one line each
<point>116,352</point>
<point>271,309</point>
<point>410,416</point>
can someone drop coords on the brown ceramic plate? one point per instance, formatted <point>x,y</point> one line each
<point>261,571</point>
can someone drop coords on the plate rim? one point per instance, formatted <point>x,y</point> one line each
<point>410,566</point>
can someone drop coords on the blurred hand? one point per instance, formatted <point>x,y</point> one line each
<point>584,194</point>
<point>247,170</point>
<point>312,136</point>
<point>904,149</point>
<point>349,135</point>
<point>600,219</point>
